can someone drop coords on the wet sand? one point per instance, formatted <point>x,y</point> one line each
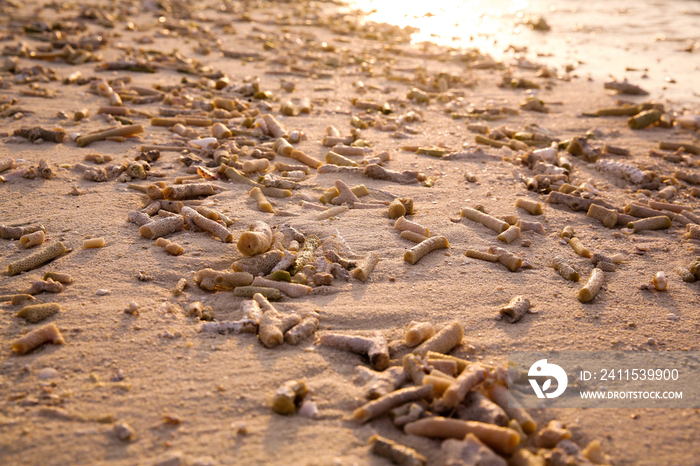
<point>206,397</point>
<point>652,42</point>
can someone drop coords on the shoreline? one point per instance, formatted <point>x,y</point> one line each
<point>653,45</point>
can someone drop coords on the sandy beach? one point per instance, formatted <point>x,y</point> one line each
<point>138,380</point>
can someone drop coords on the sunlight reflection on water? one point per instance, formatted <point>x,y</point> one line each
<point>471,23</point>
<point>643,40</point>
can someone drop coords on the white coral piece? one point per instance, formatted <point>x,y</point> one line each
<point>621,170</point>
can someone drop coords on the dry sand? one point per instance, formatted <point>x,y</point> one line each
<point>116,367</point>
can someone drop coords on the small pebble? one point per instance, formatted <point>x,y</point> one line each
<point>124,431</point>
<point>30,401</point>
<point>132,309</point>
<point>101,292</point>
<point>651,341</point>
<point>660,282</point>
<point>309,409</point>
<point>172,419</point>
<point>47,373</point>
<point>673,317</point>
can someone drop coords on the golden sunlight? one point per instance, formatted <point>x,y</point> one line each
<point>459,23</point>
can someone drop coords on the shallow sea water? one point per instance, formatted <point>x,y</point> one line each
<point>652,42</point>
